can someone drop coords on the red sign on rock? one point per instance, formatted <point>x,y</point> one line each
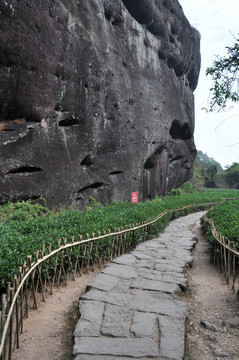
<point>134,197</point>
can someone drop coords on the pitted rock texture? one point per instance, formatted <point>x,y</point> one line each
<point>96,99</point>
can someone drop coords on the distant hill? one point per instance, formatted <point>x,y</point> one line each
<point>209,173</point>
<point>203,160</point>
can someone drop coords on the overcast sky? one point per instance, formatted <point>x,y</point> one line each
<point>216,20</point>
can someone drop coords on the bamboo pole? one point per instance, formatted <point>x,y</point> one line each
<point>11,325</point>
<point>17,313</point>
<point>32,283</point>
<point>21,301</point>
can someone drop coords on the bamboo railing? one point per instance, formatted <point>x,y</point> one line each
<point>49,268</point>
<point>224,254</point>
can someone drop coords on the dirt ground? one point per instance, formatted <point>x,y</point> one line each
<point>48,331</point>
<point>210,300</point>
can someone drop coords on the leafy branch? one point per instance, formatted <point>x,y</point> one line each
<point>225,76</point>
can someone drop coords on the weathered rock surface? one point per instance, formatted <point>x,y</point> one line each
<point>137,317</point>
<point>96,99</point>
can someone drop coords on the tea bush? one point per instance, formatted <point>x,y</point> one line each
<point>226,219</point>
<point>24,227</point>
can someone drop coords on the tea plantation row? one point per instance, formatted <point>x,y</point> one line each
<point>24,228</point>
<point>226,219</point>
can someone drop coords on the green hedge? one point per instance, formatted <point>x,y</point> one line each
<point>226,219</point>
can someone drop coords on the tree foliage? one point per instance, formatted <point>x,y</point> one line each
<point>225,76</point>
<point>210,174</point>
<point>232,175</point>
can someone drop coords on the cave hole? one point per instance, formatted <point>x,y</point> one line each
<point>108,15</point>
<point>161,55</point>
<point>87,161</point>
<point>179,70</point>
<point>171,62</point>
<point>176,158</point>
<point>172,39</point>
<point>179,131</point>
<point>69,121</point>
<point>24,170</point>
<point>149,164</point>
<point>95,185</point>
<point>33,118</point>
<point>116,172</point>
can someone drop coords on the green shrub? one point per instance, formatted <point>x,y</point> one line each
<point>226,219</point>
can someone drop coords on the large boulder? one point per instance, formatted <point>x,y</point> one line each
<point>96,99</point>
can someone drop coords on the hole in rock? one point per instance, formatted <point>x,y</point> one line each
<point>33,118</point>
<point>87,161</point>
<point>12,125</point>
<point>179,131</point>
<point>176,158</point>
<point>116,172</point>
<point>149,164</point>
<point>161,55</point>
<point>172,39</point>
<point>69,122</point>
<point>192,79</point>
<point>179,70</point>
<point>108,14</point>
<point>117,21</point>
<point>24,170</point>
<point>95,185</point>
<point>171,62</point>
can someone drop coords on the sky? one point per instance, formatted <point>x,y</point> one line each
<point>216,134</point>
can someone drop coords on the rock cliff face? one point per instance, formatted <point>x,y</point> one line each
<point>96,99</point>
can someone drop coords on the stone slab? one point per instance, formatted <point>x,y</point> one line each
<point>126,259</point>
<point>160,296</point>
<point>133,347</point>
<point>143,324</point>
<point>123,285</point>
<point>115,297</point>
<point>149,303</point>
<point>103,282</point>
<point>169,277</point>
<point>91,318</point>
<point>147,284</point>
<point>145,264</point>
<point>106,357</point>
<point>121,271</point>
<point>170,267</point>
<point>140,255</point>
<point>172,337</point>
<point>115,321</point>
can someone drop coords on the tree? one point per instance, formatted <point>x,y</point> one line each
<point>232,175</point>
<point>225,76</point>
<point>211,173</point>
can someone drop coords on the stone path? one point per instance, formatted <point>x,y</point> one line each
<point>132,309</point>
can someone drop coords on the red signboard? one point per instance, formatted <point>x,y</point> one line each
<point>134,197</point>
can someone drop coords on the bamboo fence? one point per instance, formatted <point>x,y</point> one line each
<point>49,268</point>
<point>225,255</point>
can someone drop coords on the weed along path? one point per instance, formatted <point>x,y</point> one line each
<point>143,305</point>
<point>133,308</point>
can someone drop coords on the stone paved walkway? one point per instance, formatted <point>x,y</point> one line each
<point>132,309</point>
